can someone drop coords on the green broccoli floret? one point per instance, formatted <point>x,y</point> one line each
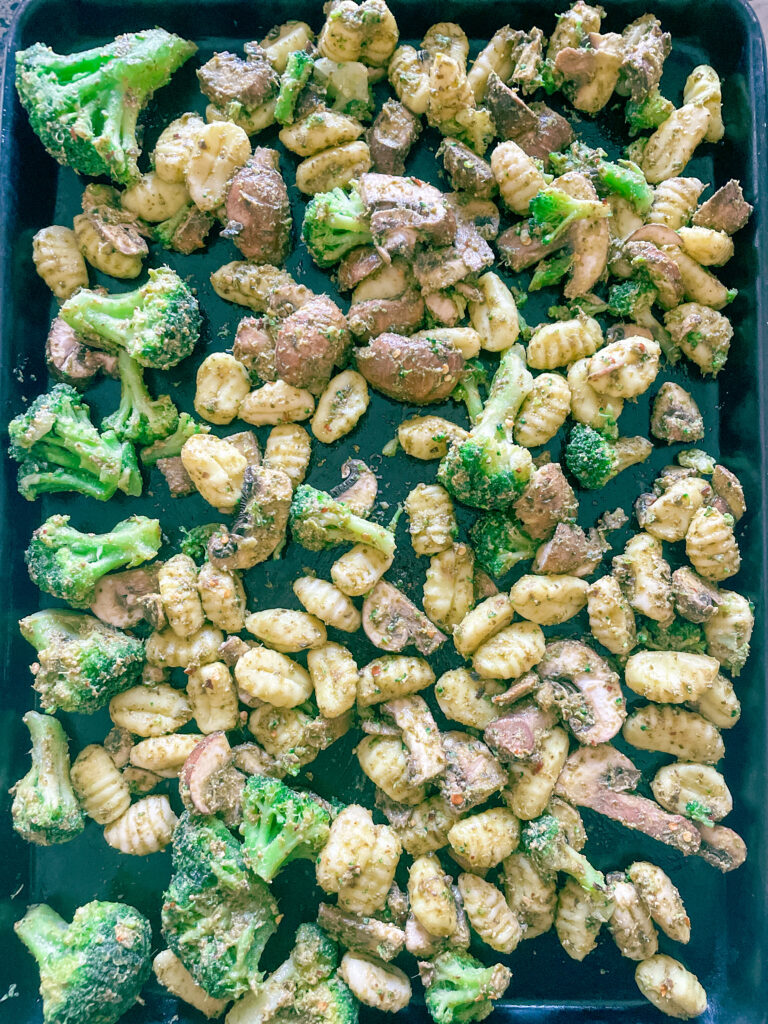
<point>499,543</point>
<point>549,272</point>
<point>628,299</point>
<point>622,178</point>
<point>487,469</point>
<point>92,970</point>
<point>552,212</point>
<point>84,107</point>
<point>170,446</point>
<point>59,449</point>
<point>292,81</point>
<point>329,1002</point>
<point>458,988</point>
<point>679,635</point>
<point>194,542</point>
<point>347,87</point>
<point>45,809</point>
<point>68,564</point>
<point>280,825</point>
<point>318,521</point>
<point>158,324</point>
<point>334,223</point>
<point>594,459</point>
<point>81,662</point>
<point>647,113</point>
<point>139,417</point>
<point>217,916</point>
<point>315,955</point>
<point>468,388</point>
<point>697,811</point>
<point>546,841</point>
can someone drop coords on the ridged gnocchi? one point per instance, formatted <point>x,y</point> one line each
<point>176,146</point>
<point>333,168</point>
<point>340,407</point>
<point>153,200</point>
<point>327,602</point>
<point>611,620</point>
<point>289,449</point>
<point>564,342</point>
<point>711,545</point>
<point>334,675</point>
<point>266,675</point>
<point>702,89</point>
<point>167,650</point>
<point>517,175</point>
<point>489,914</point>
<point>463,697</point>
<point>177,583</point>
<point>384,760</point>
<point>216,468</point>
<point>150,710</point>
<point>485,839</point>
<point>286,630</point>
<point>146,827</point>
<point>222,384</point>
<point>544,410</point>
<point>392,675</point>
<point>428,437</point>
<point>164,755</point>
<point>358,570</point>
<point>511,652</point>
<point>494,317</point>
<point>449,591</point>
<point>59,261</point>
<point>276,402</point>
<point>548,600</point>
<point>99,785</point>
<point>673,730</point>
<point>222,596</point>
<point>532,783</point>
<point>213,697</point>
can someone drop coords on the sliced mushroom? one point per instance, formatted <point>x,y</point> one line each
<point>481,213</point>
<point>233,649</point>
<point>522,687</point>
<point>570,551</point>
<point>583,689</point>
<point>71,360</point>
<point>721,847</point>
<point>548,499</point>
<point>252,759</point>
<point>391,622</point>
<point>309,342</point>
<point>472,773</point>
<point>588,240</point>
<point>421,736</point>
<point>466,170</point>
<point>727,210</point>
<point>404,212</point>
<point>417,370</point>
<point>247,443</point>
<point>675,416</point>
<point>363,934</point>
<point>656,234</point>
<point>180,483</point>
<point>551,134</point>
<point>391,137</point>
<point>117,598</point>
<point>600,778</point>
<point>358,264</point>
<point>511,115</point>
<point>645,48</point>
<point>519,249</point>
<point>261,521</point>
<point>359,487</point>
<point>403,315</point>
<point>726,486</point>
<point>696,599</point>
<point>118,229</point>
<point>591,73</point>
<point>254,347</point>
<point>258,211</point>
<point>516,736</point>
<point>209,783</point>
<point>227,78</point>
<point>663,272</point>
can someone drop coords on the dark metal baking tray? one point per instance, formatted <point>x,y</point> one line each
<point>729,913</point>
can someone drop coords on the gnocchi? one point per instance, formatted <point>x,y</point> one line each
<point>333,168</point>
<point>670,987</point>
<point>150,710</point>
<point>518,177</point>
<point>489,914</point>
<point>177,583</point>
<point>59,261</point>
<point>222,596</point>
<point>670,677</point>
<point>428,437</point>
<point>145,827</point>
<point>164,755</point>
<point>432,520</point>
<point>384,760</point>
<point>266,675</point>
<point>285,630</point>
<point>99,785</point>
<point>449,587</point>
<point>494,316</point>
<point>213,698</point>
<point>673,730</point>
<point>611,620</point>
<point>222,384</point>
<point>340,406</point>
<point>548,600</point>
<point>511,652</point>
<point>358,570</point>
<point>289,448</point>
<point>325,601</point>
<point>544,410</point>
<point>216,468</point>
<point>153,200</point>
<point>430,897</point>
<point>392,675</point>
<point>276,402</point>
<point>218,150</point>
<point>711,546</point>
<point>176,146</point>
<point>334,676</point>
<point>564,342</point>
<point>485,839</point>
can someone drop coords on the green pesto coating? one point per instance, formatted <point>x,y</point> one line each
<point>459,988</point>
<point>45,809</point>
<point>59,449</point>
<point>329,1002</point>
<point>68,564</point>
<point>334,223</point>
<point>679,635</point>
<point>499,543</point>
<point>546,841</point>
<point>157,324</point>
<point>280,825</point>
<point>468,388</point>
<point>82,662</point>
<point>628,299</point>
<point>92,970</point>
<point>318,521</point>
<point>85,106</point>
<point>217,916</point>
<point>139,417</point>
<point>487,469</point>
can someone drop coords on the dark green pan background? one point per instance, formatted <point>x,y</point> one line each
<point>728,913</point>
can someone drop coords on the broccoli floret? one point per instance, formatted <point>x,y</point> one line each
<point>468,388</point>
<point>553,211</point>
<point>486,469</point>
<point>334,223</point>
<point>92,970</point>
<point>698,460</point>
<point>550,272</point>
<point>623,178</point>
<point>280,825</point>
<point>68,564</point>
<point>158,324</point>
<point>59,449</point>
<point>315,955</point>
<point>678,636</point>
<point>84,106</point>
<point>594,459</point>
<point>329,1002</point>
<point>499,543</point>
<point>546,841</point>
<point>194,542</point>
<point>473,126</point>
<point>217,916</point>
<point>294,78</point>
<point>139,417</point>
<point>82,662</point>
<point>647,113</point>
<point>318,521</point>
<point>45,809</point>
<point>697,811</point>
<point>458,988</point>
<point>629,298</point>
<point>170,446</point>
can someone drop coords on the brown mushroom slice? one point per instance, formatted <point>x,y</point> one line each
<point>180,483</point>
<point>663,273</point>
<point>419,370</point>
<point>656,234</point>
<point>727,210</point>
<point>191,231</point>
<point>252,759</point>
<point>359,487</point>
<point>233,648</point>
<point>391,137</point>
<point>519,249</point>
<point>227,78</point>
<point>516,736</point>
<point>483,214</point>
<point>209,783</point>
<point>520,688</point>
<point>548,499</point>
<point>467,172</point>
<point>257,209</point>
<point>260,524</point>
<point>391,622</point>
<point>591,73</point>
<point>645,48</point>
<point>551,134</point>
<point>309,342</point>
<point>675,416</point>
<point>584,690</point>
<point>402,315</point>
<point>405,212</point>
<point>600,777</point>
<point>72,361</point>
<point>588,240</point>
<point>726,485</point>
<point>247,443</point>
<point>421,736</point>
<point>721,847</point>
<point>570,552</point>
<point>472,773</point>
<point>356,265</point>
<point>361,934</point>
<point>116,227</point>
<point>696,599</point>
<point>117,598</point>
<point>617,332</point>
<point>254,347</point>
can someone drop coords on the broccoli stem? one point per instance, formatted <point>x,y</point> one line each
<point>32,484</point>
<point>550,272</point>
<point>104,321</point>
<point>511,384</point>
<point>625,179</point>
<point>42,931</point>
